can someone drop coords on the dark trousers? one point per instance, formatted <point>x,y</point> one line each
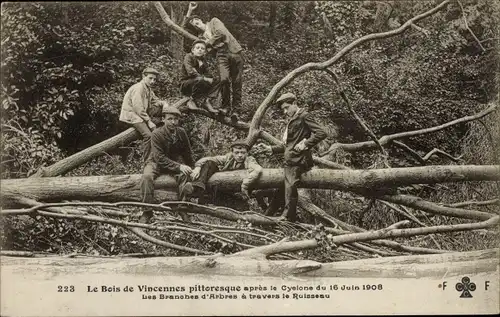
<point>231,74</point>
<point>200,89</point>
<point>151,172</point>
<point>287,195</point>
<point>208,169</point>
<point>145,132</point>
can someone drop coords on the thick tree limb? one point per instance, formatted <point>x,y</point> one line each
<point>73,161</point>
<point>430,207</point>
<point>423,159</point>
<point>171,24</point>
<point>285,246</point>
<point>59,269</point>
<point>279,247</point>
<point>386,139</point>
<point>392,233</point>
<point>360,121</point>
<point>476,203</point>
<point>259,114</point>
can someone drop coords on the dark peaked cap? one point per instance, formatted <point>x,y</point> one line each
<point>240,143</point>
<point>285,97</point>
<point>150,70</point>
<point>172,110</point>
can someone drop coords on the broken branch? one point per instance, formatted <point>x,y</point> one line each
<point>259,114</point>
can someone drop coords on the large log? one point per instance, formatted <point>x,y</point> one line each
<point>434,265</point>
<point>71,162</point>
<point>104,187</point>
<point>30,285</point>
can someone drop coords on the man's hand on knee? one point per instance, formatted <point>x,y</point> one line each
<point>196,173</point>
<point>186,170</point>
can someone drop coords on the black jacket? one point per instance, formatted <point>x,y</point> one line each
<point>301,126</point>
<point>191,68</point>
<point>168,148</point>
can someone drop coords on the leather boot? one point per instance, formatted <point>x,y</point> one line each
<point>234,118</point>
<point>290,211</point>
<point>186,191</point>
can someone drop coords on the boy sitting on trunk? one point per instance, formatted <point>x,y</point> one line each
<point>196,80</point>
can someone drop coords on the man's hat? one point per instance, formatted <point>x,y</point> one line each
<point>191,18</point>
<point>198,41</point>
<point>169,109</point>
<point>150,70</point>
<point>285,97</point>
<point>240,143</point>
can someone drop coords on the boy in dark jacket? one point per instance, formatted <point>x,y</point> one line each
<point>301,135</point>
<point>196,81</point>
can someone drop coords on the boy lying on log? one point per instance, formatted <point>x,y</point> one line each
<point>237,159</point>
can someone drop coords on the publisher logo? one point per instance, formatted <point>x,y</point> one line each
<point>466,287</point>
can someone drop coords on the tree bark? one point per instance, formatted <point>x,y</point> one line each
<point>171,24</point>
<point>106,187</point>
<point>77,159</point>
<point>397,267</point>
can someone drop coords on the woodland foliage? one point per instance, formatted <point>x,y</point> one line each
<point>66,66</point>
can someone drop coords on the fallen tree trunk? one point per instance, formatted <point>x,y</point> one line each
<point>435,265</point>
<point>102,187</point>
<point>71,162</point>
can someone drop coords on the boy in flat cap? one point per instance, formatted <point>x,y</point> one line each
<point>196,81</point>
<point>237,159</point>
<point>136,105</point>
<point>169,147</point>
<point>302,133</point>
